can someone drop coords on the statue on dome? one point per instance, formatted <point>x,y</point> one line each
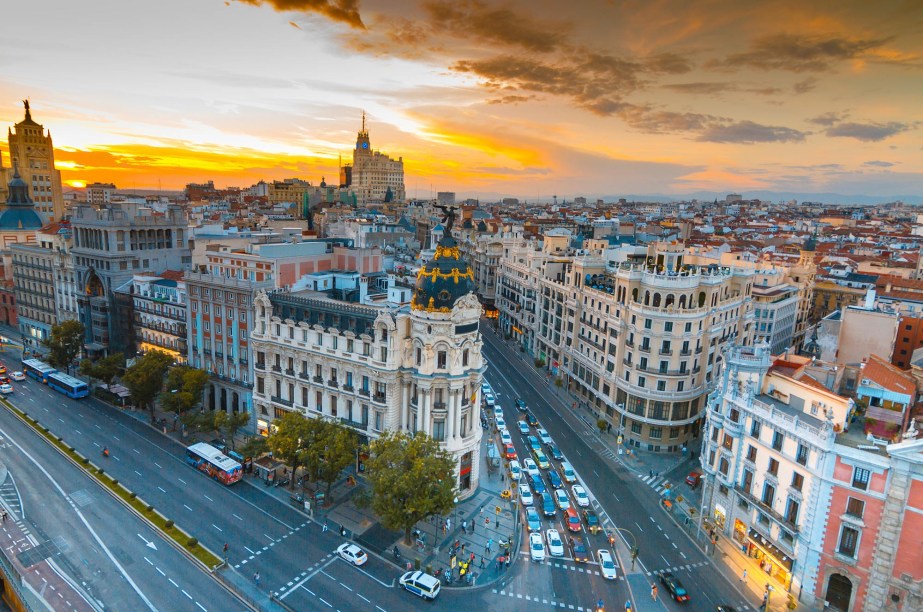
<point>449,219</point>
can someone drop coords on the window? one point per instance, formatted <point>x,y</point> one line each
<point>728,442</point>
<point>791,511</point>
<point>777,439</point>
<point>668,326</point>
<point>773,467</point>
<point>440,360</point>
<point>797,481</point>
<point>647,323</point>
<point>656,433</point>
<point>747,482</point>
<point>855,507</point>
<point>384,354</point>
<point>769,494</point>
<point>849,542</point>
<point>860,478</point>
<point>439,430</point>
<point>755,430</point>
<point>260,388</point>
<point>751,453</point>
<point>714,433</point>
<point>641,379</point>
<point>723,466</point>
<point>688,328</point>
<point>661,385</point>
<point>802,456</point>
<point>465,358</point>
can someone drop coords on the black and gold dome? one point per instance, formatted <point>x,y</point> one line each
<point>443,280</point>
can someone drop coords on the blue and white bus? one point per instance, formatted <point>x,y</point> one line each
<point>68,385</point>
<point>39,370</point>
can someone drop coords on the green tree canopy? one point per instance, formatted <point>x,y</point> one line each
<point>145,378</point>
<point>105,369</point>
<point>337,453</point>
<point>411,478</point>
<point>182,389</point>
<point>286,442</point>
<point>64,343</point>
<point>254,446</point>
<point>229,423</point>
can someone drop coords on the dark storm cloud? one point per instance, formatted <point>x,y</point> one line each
<point>477,20</point>
<point>800,53</point>
<point>345,11</point>
<point>868,132</point>
<point>748,132</point>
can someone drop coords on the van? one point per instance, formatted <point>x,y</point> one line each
<point>567,471</point>
<point>421,584</point>
<point>540,459</point>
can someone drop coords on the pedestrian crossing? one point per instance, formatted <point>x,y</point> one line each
<point>657,482</point>
<point>678,568</point>
<point>535,599</point>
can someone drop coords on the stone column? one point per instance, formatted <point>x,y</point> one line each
<point>886,544</point>
<point>456,412</point>
<point>425,399</point>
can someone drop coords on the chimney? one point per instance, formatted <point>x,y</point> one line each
<point>870,299</point>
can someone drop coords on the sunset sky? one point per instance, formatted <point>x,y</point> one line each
<point>524,98</point>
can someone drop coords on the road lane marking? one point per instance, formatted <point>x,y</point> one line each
<point>173,583</point>
<point>321,599</point>
<point>187,507</point>
<point>237,517</point>
<point>270,538</point>
<point>162,489</point>
<point>301,583</point>
<point>346,587</point>
<point>158,465</point>
<point>181,480</point>
<point>674,545</point>
<point>115,438</point>
<point>161,572</point>
<point>250,551</point>
<point>200,605</point>
<point>363,598</point>
<point>136,450</point>
<point>207,497</point>
<point>682,555</point>
<point>139,473</point>
<point>217,527</point>
<point>186,594</point>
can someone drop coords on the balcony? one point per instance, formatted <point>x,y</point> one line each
<point>364,392</point>
<point>439,406</point>
<point>685,353</point>
<point>756,501</point>
<point>277,369</point>
<point>285,402</point>
<point>289,372</point>
<point>666,352</point>
<point>379,398</point>
<point>348,388</point>
<point>318,379</point>
<point>333,383</point>
<point>644,348</point>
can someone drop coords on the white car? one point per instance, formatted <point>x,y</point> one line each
<point>18,376</point>
<point>352,553</point>
<point>567,472</point>
<point>555,543</point>
<point>606,564</point>
<point>536,546</point>
<point>515,471</point>
<point>489,399</point>
<point>580,496</point>
<point>525,495</point>
<point>505,436</point>
<point>501,422</point>
<point>498,412</point>
<point>485,388</point>
<point>529,466</point>
<point>523,428</point>
<point>6,389</point>
<point>560,498</point>
<point>544,437</point>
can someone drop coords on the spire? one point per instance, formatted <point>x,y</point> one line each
<point>28,112</point>
<point>363,116</point>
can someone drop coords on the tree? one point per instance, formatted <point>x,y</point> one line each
<point>254,446</point>
<point>229,423</point>
<point>199,420</point>
<point>183,388</point>
<point>286,441</point>
<point>411,478</point>
<point>105,370</point>
<point>339,451</point>
<point>64,343</point>
<point>145,378</point>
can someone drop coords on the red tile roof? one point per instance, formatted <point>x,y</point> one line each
<point>889,376</point>
<point>175,275</point>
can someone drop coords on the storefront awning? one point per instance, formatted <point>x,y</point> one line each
<point>766,545</point>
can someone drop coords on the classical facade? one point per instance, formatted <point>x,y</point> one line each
<point>26,266</point>
<point>373,175</point>
<point>111,245</point>
<point>159,304</point>
<point>32,156</point>
<point>776,308</point>
<point>379,367</point>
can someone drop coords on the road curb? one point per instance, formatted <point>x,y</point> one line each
<point>33,424</point>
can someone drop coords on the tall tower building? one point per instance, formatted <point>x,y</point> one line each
<point>32,153</point>
<point>373,176</point>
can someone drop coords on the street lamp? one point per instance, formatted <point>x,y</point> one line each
<point>455,501</point>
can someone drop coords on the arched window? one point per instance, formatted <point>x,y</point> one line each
<point>682,302</point>
<point>669,301</point>
<point>656,303</point>
<point>634,295</point>
<point>701,299</point>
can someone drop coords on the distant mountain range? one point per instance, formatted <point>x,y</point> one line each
<point>774,196</point>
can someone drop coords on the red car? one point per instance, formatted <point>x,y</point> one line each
<point>693,479</point>
<point>572,520</point>
<point>510,451</point>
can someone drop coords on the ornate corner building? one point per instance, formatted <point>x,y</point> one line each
<point>379,367</point>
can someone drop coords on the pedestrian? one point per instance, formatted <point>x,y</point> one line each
<point>464,526</point>
<point>654,592</point>
<point>507,560</point>
<point>650,473</point>
<point>743,578</point>
<point>498,564</point>
<point>342,531</point>
<point>256,579</point>
<point>471,558</point>
<point>482,562</point>
<point>487,521</point>
<point>225,551</point>
<point>472,525</point>
<point>325,526</point>
<point>490,543</point>
<point>448,523</point>
<point>463,548</point>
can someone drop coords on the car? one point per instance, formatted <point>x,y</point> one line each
<point>421,583</point>
<point>498,412</point>
<point>674,587</point>
<point>693,479</point>
<point>561,499</point>
<point>500,421</point>
<point>725,608</point>
<point>520,404</point>
<point>592,521</point>
<point>485,387</point>
<point>484,424</point>
<point>525,495</point>
<point>567,471</point>
<point>555,480</point>
<point>6,389</point>
<point>2,369</point>
<point>572,520</point>
<point>578,550</point>
<point>352,553</point>
<point>523,427</point>
<point>544,436</point>
<point>505,436</point>
<point>536,546</point>
<point>18,376</point>
<point>538,485</point>
<point>515,471</point>
<point>548,505</point>
<point>533,443</point>
<point>531,418</point>
<point>529,465</point>
<point>510,451</point>
<point>4,379</point>
<point>606,564</point>
<point>555,544</point>
<point>580,496</point>
<point>489,398</point>
<point>532,520</point>
<point>541,460</point>
<point>554,452</point>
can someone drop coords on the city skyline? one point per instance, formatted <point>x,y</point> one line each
<point>478,98</point>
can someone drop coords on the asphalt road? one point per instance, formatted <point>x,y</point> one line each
<point>621,495</point>
<point>94,540</point>
<point>293,556</point>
